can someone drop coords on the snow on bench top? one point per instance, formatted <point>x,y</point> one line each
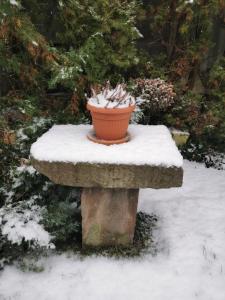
<point>149,145</point>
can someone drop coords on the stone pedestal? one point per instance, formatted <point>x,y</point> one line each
<point>108,216</point>
<point>109,175</point>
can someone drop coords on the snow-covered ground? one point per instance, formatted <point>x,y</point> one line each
<point>190,263</point>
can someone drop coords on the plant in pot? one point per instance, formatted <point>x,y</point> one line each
<point>111,110</point>
<point>153,97</point>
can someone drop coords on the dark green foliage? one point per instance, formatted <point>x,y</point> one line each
<point>185,48</point>
<point>143,237</point>
<point>22,190</point>
<point>25,57</point>
<point>93,37</point>
<point>62,218</point>
<point>203,115</point>
<point>10,252</point>
<point>196,151</point>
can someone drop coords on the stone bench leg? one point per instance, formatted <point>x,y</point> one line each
<point>108,216</point>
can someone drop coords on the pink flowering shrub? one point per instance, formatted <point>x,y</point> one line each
<point>153,95</point>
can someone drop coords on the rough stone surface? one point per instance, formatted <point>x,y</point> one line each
<point>108,216</point>
<point>110,175</point>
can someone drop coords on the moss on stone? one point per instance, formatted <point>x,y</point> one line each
<point>94,235</point>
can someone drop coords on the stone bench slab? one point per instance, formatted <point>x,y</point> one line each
<point>109,175</point>
<point>150,160</point>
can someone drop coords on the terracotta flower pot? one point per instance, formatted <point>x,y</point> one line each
<point>110,123</point>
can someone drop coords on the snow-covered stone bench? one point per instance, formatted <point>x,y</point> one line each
<point>110,175</point>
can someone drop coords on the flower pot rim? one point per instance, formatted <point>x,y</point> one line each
<point>116,110</point>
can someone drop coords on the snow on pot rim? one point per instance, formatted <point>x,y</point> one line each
<point>117,110</point>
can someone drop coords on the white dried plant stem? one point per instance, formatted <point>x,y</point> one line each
<point>97,99</point>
